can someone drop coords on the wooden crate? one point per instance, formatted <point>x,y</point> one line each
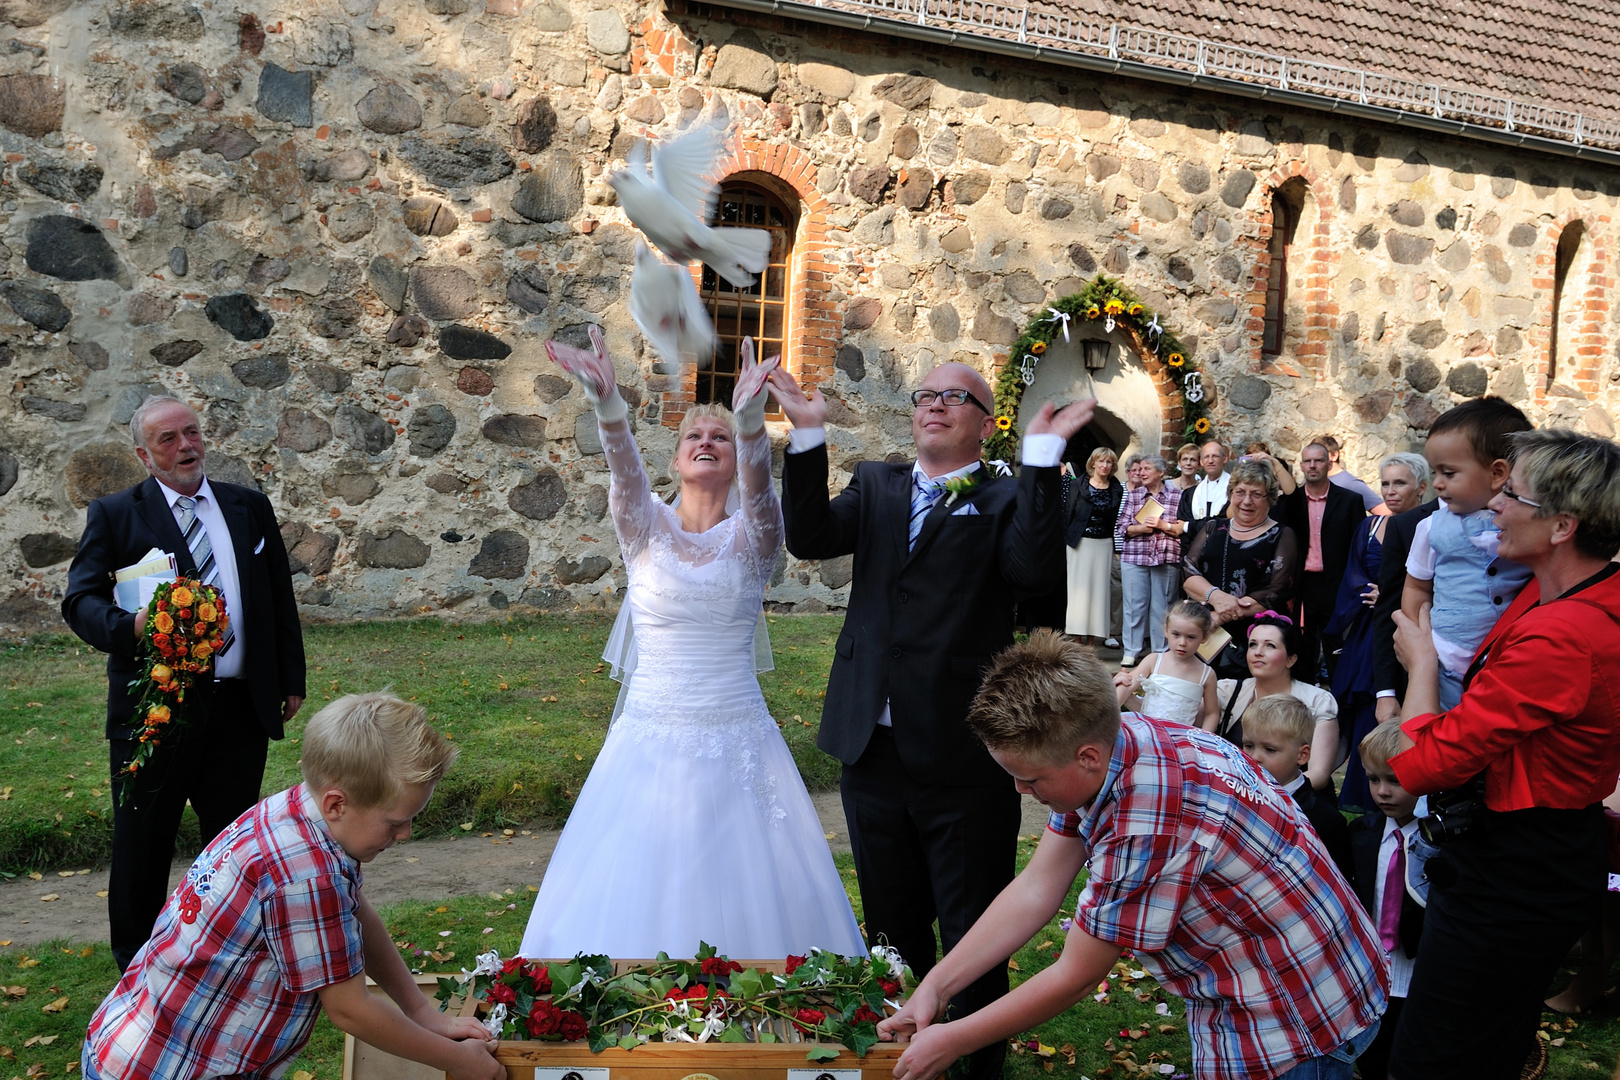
<point>525,1060</point>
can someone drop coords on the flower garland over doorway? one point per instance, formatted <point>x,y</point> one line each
<point>1119,309</point>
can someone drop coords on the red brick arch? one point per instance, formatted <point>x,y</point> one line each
<point>1314,271</point>
<point>815,328</point>
<point>1581,353</point>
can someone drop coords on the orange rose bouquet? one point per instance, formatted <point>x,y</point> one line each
<point>185,626</point>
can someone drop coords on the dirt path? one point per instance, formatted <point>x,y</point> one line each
<point>74,906</point>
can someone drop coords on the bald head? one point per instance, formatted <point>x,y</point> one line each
<point>965,377</point>
<point>949,437</point>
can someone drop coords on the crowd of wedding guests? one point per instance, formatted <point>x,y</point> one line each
<point>1358,640</point>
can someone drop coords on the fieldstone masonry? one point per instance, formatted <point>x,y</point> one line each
<point>343,230</point>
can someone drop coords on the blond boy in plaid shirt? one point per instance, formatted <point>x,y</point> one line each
<point>270,925</point>
<point>1199,864</point>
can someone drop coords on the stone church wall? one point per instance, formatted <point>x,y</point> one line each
<point>343,232</point>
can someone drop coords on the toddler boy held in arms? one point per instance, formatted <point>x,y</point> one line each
<point>1453,563</point>
<point>270,925</point>
<point>1207,871</point>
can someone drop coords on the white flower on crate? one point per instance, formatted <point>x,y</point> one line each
<point>488,963</point>
<point>495,1021</point>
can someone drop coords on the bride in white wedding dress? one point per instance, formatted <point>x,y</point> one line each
<point>694,824</point>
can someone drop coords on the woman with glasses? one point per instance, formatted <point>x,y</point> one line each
<point>1149,535</point>
<point>1515,772</point>
<point>1243,564</point>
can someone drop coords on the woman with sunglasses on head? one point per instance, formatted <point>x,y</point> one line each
<point>1273,644</point>
<point>1243,564</point>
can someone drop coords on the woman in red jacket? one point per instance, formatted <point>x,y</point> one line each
<point>1538,733</point>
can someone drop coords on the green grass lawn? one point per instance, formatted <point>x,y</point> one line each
<point>528,702</point>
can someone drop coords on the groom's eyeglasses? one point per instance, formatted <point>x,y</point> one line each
<point>925,398</point>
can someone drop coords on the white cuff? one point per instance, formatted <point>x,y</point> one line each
<point>1386,693</point>
<point>1043,450</point>
<point>808,438</point>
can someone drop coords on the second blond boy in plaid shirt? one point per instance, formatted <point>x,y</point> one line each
<point>1208,872</point>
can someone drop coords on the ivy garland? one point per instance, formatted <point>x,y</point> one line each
<point>1107,299</point>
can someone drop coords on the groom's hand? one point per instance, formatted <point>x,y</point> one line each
<point>930,1052</point>
<point>802,410</point>
<point>1065,421</point>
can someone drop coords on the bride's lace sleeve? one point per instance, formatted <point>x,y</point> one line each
<point>630,498</point>
<point>761,510</point>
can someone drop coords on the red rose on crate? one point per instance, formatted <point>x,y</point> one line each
<point>794,963</point>
<point>572,1026</point>
<point>544,1019</point>
<point>890,986</point>
<point>541,975</point>
<point>719,965</point>
<point>501,994</point>
<point>865,1015</point>
<point>806,1019</point>
<point>513,967</point>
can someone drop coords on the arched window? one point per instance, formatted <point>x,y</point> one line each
<point>1569,245</point>
<point>1287,205</point>
<point>759,311</point>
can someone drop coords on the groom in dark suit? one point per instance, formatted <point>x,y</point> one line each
<point>218,762</point>
<point>938,570</point>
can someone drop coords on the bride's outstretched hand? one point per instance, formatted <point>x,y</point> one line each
<point>748,397</point>
<point>594,371</point>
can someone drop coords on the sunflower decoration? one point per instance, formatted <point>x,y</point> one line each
<point>1123,312</point>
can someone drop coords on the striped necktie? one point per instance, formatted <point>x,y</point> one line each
<point>202,555</point>
<point>924,493</point>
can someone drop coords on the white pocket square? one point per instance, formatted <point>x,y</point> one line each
<point>965,510</point>
<point>260,547</point>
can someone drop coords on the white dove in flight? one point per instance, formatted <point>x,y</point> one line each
<point>674,205</point>
<point>665,305</point>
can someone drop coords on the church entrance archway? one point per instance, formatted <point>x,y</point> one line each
<point>1129,417</point>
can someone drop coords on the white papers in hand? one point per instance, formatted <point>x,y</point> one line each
<point>134,584</point>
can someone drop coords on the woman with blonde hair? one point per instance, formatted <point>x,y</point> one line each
<point>693,825</point>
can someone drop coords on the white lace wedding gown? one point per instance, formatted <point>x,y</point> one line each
<point>694,824</point>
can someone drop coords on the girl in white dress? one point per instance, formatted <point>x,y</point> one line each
<point>694,825</point>
<point>1176,684</point>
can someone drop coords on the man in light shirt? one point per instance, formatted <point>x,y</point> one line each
<point>1207,498</point>
<point>225,535</point>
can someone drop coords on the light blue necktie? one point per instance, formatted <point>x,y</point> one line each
<point>924,494</point>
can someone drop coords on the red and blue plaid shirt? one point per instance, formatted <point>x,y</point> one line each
<point>1156,548</point>
<point>267,916</point>
<point>1212,875</point>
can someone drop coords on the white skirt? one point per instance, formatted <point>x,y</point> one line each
<point>1090,571</point>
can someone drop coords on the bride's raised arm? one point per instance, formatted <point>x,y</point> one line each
<point>761,510</point>
<point>630,497</point>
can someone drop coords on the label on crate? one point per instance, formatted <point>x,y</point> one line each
<point>577,1073</point>
<point>824,1074</point>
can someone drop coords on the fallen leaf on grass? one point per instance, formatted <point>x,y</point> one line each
<point>1165,1029</point>
<point>466,826</point>
<point>56,1006</point>
<point>102,893</point>
<point>66,873</point>
<point>1557,1042</point>
<point>303,1074</point>
<point>48,897</point>
<point>36,876</point>
<point>16,991</point>
<point>1012,965</point>
<point>39,1040</point>
<point>27,962</point>
<point>413,858</point>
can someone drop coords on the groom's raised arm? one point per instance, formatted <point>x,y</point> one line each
<point>1031,549</point>
<point>818,527</point>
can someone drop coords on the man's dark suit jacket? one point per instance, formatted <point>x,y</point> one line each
<point>1330,827</point>
<point>1366,834</point>
<point>1398,533</point>
<point>120,528</point>
<point>1340,516</point>
<point>923,624</point>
